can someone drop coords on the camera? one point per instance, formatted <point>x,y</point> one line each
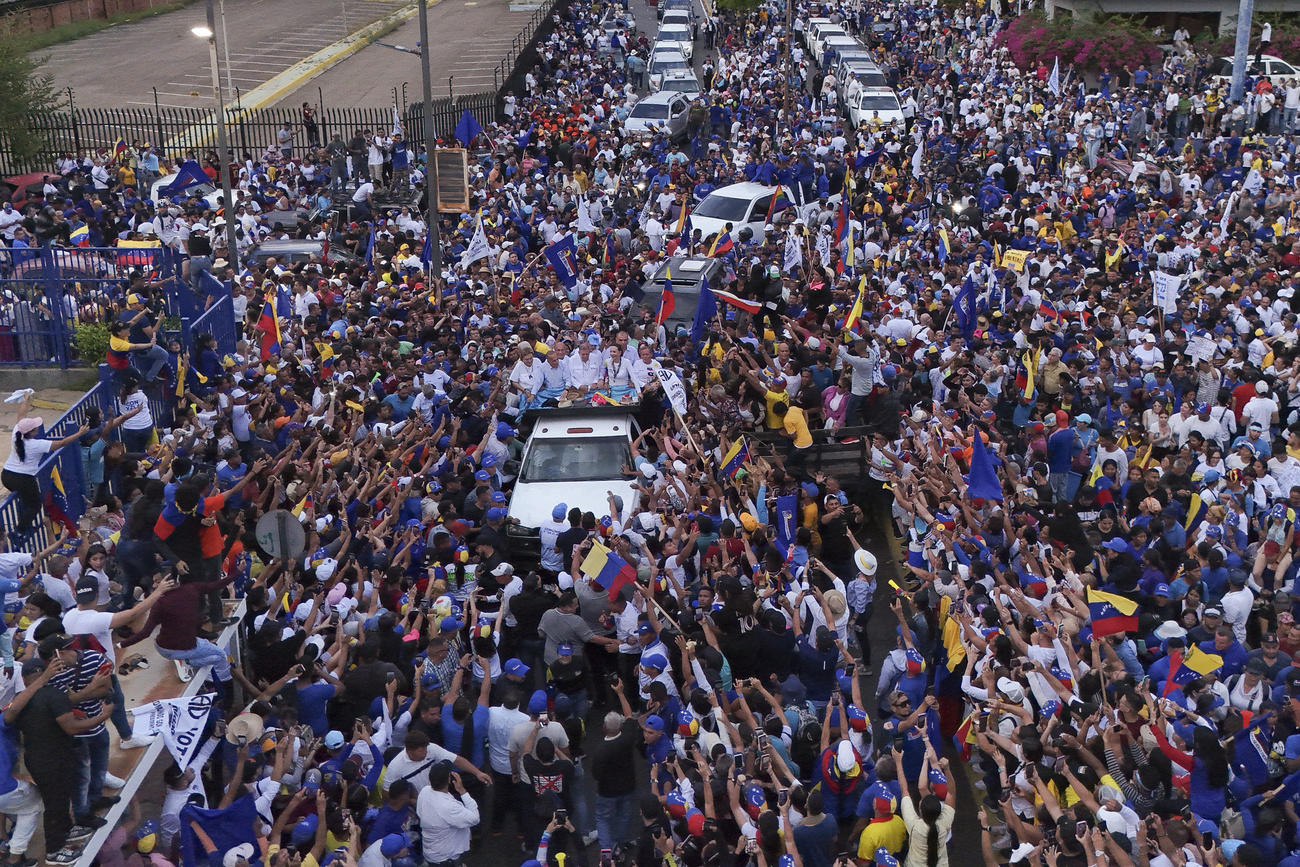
<point>612,679</point>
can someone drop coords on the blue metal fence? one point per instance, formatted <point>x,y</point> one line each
<point>218,320</point>
<point>47,292</point>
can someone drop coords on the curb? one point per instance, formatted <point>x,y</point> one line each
<point>295,76</point>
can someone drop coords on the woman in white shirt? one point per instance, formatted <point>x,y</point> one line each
<point>25,457</point>
<point>137,431</point>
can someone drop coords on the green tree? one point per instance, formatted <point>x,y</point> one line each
<point>24,91</point>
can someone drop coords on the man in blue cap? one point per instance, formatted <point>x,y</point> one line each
<point>552,564</point>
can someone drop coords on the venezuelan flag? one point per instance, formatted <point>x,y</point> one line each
<point>735,457</point>
<point>855,312</point>
<point>80,236</point>
<point>667,302</point>
<point>269,325</point>
<point>1111,614</point>
<point>607,569</point>
<point>1029,371</point>
<point>944,247</point>
<point>302,506</point>
<point>1185,669</point>
<point>722,245</point>
<point>965,738</point>
<point>1196,512</point>
<point>119,148</point>
<point>1048,309</point>
<point>56,503</point>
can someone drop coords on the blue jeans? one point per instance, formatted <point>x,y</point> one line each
<point>151,361</point>
<point>120,721</point>
<point>137,441</point>
<point>582,819</point>
<point>203,653</point>
<point>614,819</point>
<point>90,772</point>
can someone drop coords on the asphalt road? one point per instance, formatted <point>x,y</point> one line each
<point>468,39</point>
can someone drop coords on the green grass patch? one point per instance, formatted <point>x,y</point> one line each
<point>78,29</point>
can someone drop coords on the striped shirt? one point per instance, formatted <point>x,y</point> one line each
<point>78,678</point>
<point>859,594</point>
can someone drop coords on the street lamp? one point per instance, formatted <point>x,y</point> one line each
<point>208,32</point>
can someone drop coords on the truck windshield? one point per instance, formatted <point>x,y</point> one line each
<point>576,460</point>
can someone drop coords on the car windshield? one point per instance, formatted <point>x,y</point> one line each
<point>723,208</point>
<point>576,460</point>
<point>870,102</point>
<point>680,85</point>
<point>655,111</point>
<point>662,65</point>
<point>674,33</point>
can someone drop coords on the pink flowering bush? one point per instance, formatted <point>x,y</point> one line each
<point>1092,46</point>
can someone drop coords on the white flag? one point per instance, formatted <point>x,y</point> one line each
<point>824,246</point>
<point>793,252</point>
<point>672,385</point>
<point>180,721</point>
<point>397,119</point>
<point>1054,80</point>
<point>478,246</point>
<point>1166,288</point>
<point>584,219</point>
<point>916,158</point>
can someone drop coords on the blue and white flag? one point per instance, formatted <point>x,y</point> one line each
<point>1054,80</point>
<point>563,256</point>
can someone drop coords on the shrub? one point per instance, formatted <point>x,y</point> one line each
<point>1104,43</point>
<point>91,342</point>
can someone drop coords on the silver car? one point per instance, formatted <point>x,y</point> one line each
<point>663,112</point>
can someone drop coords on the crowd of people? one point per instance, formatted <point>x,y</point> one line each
<point>1061,310</point>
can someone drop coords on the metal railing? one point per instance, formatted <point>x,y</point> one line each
<point>523,41</point>
<point>178,132</point>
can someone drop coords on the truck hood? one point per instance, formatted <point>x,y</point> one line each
<point>532,502</point>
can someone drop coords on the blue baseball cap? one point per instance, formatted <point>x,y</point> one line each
<point>559,511</point>
<point>482,476</point>
<point>498,497</point>
<point>504,430</point>
<point>496,513</point>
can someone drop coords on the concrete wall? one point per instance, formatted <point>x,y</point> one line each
<point>42,18</point>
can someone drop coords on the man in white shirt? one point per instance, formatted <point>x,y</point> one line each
<point>414,763</point>
<point>1261,408</point>
<point>446,813</point>
<point>1236,605</point>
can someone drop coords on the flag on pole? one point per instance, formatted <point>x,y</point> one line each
<point>607,569</point>
<point>855,312</point>
<point>667,302</point>
<point>705,310</point>
<point>119,148</point>
<point>370,247</point>
<point>735,458</point>
<point>269,325</point>
<point>56,502</point>
<point>478,246</point>
<point>1054,80</point>
<point>722,245</point>
<point>916,159</point>
<point>1111,614</point>
<point>303,506</point>
<point>751,307</point>
<point>793,252</point>
<point>563,258</point>
<point>964,305</point>
<point>526,136</point>
<point>467,128</point>
<point>397,119</point>
<point>944,247</point>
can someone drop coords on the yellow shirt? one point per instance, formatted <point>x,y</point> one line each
<point>890,833</point>
<point>796,425</point>
<point>772,398</point>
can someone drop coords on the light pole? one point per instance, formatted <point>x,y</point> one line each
<point>223,147</point>
<point>430,141</point>
<point>1241,54</point>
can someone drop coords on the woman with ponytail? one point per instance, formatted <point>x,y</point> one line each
<point>927,826</point>
<point>25,457</point>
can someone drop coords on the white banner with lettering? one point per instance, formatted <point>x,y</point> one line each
<point>672,385</point>
<point>180,721</point>
<point>1166,290</point>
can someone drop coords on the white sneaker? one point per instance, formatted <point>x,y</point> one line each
<point>113,782</point>
<point>134,743</point>
<point>184,671</point>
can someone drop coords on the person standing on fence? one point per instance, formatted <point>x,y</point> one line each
<point>153,359</point>
<point>338,151</point>
<point>25,458</point>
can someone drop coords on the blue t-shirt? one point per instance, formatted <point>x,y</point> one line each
<point>453,733</point>
<point>312,703</point>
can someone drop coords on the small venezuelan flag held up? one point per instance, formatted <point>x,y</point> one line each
<point>56,503</point>
<point>1185,669</point>
<point>608,569</point>
<point>735,457</point>
<point>1111,614</point>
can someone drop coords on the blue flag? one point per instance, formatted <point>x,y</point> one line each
<point>226,828</point>
<point>190,174</point>
<point>786,509</point>
<point>704,311</point>
<point>526,136</point>
<point>426,252</point>
<point>983,481</point>
<point>965,306</point>
<point>370,248</point>
<point>467,128</point>
<point>283,304</point>
<point>563,256</point>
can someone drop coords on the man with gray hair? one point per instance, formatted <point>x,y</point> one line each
<point>612,761</point>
